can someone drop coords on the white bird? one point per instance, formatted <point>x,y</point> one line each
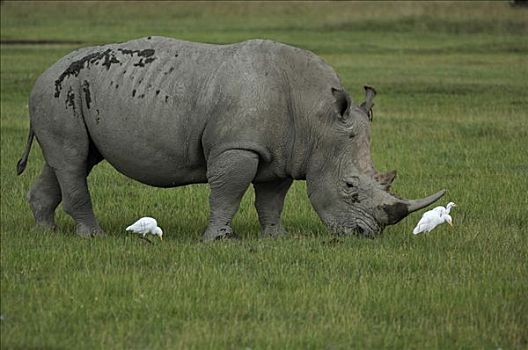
<point>434,217</point>
<point>447,209</point>
<point>146,225</point>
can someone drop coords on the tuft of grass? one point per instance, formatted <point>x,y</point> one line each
<point>451,112</point>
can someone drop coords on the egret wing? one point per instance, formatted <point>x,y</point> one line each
<point>143,225</point>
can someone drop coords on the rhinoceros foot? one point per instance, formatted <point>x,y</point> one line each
<point>273,231</point>
<point>87,231</point>
<point>218,233</point>
<point>43,227</point>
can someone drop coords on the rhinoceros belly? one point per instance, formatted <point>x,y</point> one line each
<point>140,109</point>
<point>148,159</point>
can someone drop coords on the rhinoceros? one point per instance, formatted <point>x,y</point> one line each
<point>169,113</point>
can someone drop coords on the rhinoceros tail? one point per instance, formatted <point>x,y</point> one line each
<point>21,165</point>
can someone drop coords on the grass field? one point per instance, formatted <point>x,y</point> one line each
<point>451,112</point>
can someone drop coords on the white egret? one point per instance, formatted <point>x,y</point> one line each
<point>447,209</point>
<point>146,225</point>
<point>434,217</point>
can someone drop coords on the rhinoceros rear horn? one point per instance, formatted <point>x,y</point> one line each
<point>369,100</point>
<point>385,179</point>
<point>399,209</point>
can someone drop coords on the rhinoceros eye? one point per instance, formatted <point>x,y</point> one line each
<point>351,190</point>
<point>352,183</point>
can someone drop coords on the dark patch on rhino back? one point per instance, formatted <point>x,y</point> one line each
<point>97,117</point>
<point>140,53</point>
<point>142,63</point>
<point>75,67</point>
<point>87,96</point>
<point>171,69</point>
<point>70,98</point>
<point>108,58</point>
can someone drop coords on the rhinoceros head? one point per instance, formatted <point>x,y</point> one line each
<point>347,192</point>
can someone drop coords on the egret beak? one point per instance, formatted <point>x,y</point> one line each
<point>450,223</point>
<point>161,238</point>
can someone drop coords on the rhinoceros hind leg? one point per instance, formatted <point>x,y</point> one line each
<point>76,200</point>
<point>44,197</point>
<point>269,201</point>
<point>229,175</point>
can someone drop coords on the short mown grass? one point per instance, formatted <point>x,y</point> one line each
<point>451,112</point>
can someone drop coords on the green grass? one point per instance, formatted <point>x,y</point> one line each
<point>451,112</point>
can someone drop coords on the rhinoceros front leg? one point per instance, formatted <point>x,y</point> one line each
<point>269,201</point>
<point>229,175</point>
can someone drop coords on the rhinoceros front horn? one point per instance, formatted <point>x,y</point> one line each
<point>401,208</point>
<point>418,204</point>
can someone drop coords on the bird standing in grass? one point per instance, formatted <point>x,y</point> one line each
<point>434,217</point>
<point>146,225</point>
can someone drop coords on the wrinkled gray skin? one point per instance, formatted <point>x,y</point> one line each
<point>169,113</point>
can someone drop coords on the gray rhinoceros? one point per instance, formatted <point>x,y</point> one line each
<point>169,113</point>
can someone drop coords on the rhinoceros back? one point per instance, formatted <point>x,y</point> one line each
<point>155,107</point>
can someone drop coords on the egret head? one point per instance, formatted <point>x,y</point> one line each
<point>448,219</point>
<point>158,232</point>
<point>450,205</point>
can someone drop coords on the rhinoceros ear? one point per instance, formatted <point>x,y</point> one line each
<point>385,179</point>
<point>342,101</point>
<point>369,101</point>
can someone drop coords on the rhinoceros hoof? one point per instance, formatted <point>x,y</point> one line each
<point>273,231</point>
<point>87,231</point>
<point>45,226</point>
<point>218,233</point>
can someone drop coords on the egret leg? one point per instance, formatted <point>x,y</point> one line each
<point>145,238</point>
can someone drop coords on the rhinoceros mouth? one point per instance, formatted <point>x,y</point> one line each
<point>358,227</point>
